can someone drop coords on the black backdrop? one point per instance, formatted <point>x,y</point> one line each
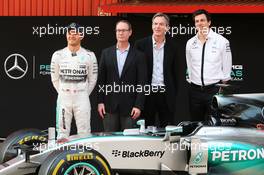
<point>30,102</point>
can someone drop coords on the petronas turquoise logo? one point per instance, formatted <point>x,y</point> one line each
<point>198,158</point>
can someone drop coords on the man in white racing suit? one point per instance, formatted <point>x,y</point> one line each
<point>74,75</point>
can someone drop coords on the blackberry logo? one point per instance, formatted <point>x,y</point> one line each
<point>116,153</point>
<point>141,153</point>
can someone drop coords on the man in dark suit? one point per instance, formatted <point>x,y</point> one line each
<point>162,70</point>
<point>122,70</point>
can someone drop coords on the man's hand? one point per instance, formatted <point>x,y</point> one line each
<point>221,89</point>
<point>101,110</point>
<point>135,113</point>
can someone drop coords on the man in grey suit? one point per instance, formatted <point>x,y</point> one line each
<point>122,70</point>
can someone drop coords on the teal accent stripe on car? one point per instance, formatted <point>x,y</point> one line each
<point>81,164</point>
<point>114,136</point>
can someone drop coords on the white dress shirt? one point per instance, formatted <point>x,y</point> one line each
<point>158,57</point>
<point>217,59</point>
<point>121,58</point>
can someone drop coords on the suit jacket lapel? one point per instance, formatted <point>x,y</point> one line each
<point>114,57</point>
<point>129,58</point>
<point>166,56</point>
<point>150,55</point>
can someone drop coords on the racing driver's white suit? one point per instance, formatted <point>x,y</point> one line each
<point>74,76</point>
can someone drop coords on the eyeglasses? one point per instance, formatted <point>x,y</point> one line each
<point>122,30</point>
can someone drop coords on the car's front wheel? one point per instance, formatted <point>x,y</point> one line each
<point>75,162</point>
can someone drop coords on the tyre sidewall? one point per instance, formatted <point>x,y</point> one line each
<point>60,161</point>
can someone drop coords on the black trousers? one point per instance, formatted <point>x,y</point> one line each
<point>117,122</point>
<point>156,105</point>
<point>200,100</point>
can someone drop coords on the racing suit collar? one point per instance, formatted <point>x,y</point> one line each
<point>71,53</point>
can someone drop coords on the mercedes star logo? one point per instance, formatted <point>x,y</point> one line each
<point>16,66</point>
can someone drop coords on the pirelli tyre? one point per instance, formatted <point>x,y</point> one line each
<point>28,137</point>
<point>75,162</point>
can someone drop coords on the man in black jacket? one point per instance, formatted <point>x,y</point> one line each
<point>162,67</point>
<point>122,71</point>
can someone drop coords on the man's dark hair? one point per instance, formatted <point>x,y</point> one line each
<point>199,12</point>
<point>125,21</point>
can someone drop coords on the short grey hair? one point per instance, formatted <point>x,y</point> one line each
<point>162,15</point>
